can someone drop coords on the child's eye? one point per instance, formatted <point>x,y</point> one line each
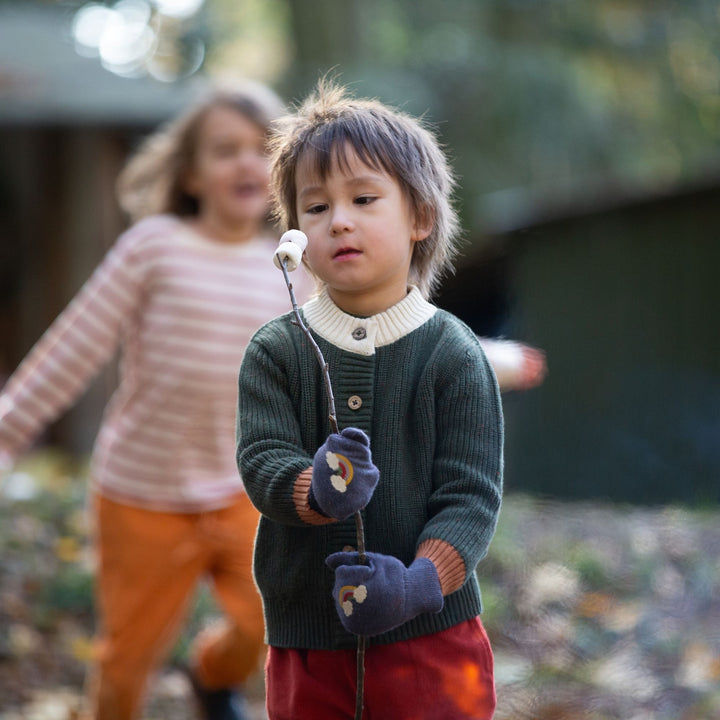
<point>365,199</point>
<point>224,147</point>
<point>316,209</point>
<point>223,151</point>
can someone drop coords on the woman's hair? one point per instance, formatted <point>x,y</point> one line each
<point>328,125</point>
<point>153,180</point>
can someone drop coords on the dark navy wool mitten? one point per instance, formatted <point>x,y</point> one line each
<point>344,477</point>
<point>377,597</point>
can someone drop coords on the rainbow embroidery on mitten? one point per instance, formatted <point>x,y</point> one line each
<point>348,593</point>
<point>343,470</point>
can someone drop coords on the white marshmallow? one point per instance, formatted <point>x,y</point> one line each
<point>295,236</point>
<point>290,253</point>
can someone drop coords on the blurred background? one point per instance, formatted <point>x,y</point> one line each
<point>586,138</point>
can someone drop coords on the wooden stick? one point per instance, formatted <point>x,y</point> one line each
<point>359,530</point>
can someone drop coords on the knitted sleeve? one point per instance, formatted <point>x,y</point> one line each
<point>468,465</point>
<point>270,455</point>
<point>71,351</point>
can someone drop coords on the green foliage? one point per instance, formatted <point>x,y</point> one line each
<point>70,591</point>
<point>592,570</point>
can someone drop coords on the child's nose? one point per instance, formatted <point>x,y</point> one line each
<point>251,157</point>
<point>340,221</point>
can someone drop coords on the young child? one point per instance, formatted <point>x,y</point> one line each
<point>372,191</point>
<point>182,291</point>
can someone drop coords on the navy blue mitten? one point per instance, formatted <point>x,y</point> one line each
<point>383,594</point>
<point>344,477</point>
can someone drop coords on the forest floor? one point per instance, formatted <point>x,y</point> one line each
<point>595,610</point>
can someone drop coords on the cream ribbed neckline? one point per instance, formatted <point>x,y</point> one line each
<point>363,335</point>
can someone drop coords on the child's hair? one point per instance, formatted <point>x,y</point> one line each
<point>153,180</point>
<point>329,124</point>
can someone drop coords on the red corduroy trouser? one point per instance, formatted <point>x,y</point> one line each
<point>444,676</point>
<point>149,566</point>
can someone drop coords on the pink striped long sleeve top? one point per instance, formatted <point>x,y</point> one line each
<point>183,308</point>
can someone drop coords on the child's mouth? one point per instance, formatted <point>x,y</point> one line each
<point>247,190</point>
<point>346,253</point>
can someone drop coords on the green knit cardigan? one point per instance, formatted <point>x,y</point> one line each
<point>417,382</point>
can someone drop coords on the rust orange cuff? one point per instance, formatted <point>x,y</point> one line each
<point>447,560</point>
<point>301,490</point>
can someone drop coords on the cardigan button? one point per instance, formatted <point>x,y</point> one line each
<point>354,402</point>
<point>359,333</point>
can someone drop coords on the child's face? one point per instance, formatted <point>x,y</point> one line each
<point>230,173</point>
<point>361,233</point>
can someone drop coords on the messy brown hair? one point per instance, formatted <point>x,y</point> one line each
<point>329,124</point>
<point>153,180</point>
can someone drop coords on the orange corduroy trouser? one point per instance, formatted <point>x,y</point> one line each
<point>149,565</point>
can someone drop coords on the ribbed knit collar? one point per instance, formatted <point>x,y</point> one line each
<point>363,335</point>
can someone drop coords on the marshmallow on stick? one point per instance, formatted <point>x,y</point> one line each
<point>290,250</point>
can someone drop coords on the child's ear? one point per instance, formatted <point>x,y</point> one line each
<point>423,223</point>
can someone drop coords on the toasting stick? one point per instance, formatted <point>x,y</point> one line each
<point>288,257</point>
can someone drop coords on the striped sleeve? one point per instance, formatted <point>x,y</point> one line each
<point>517,366</point>
<point>71,351</point>
<point>506,359</point>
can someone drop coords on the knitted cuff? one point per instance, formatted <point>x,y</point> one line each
<point>301,500</point>
<point>448,562</point>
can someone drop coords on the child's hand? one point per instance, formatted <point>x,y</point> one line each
<point>344,477</point>
<point>377,597</point>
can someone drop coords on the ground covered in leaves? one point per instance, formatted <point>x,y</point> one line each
<point>595,610</point>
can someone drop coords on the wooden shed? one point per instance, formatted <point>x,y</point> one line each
<point>622,297</point>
